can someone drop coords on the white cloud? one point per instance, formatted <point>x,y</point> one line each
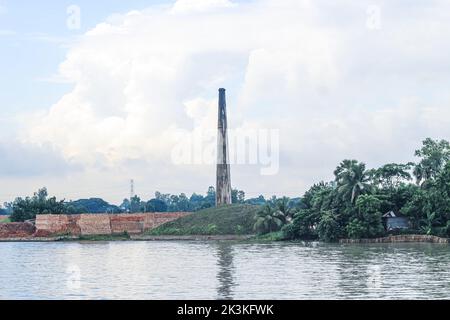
<point>312,69</point>
<point>6,32</point>
<point>21,160</point>
<point>192,6</point>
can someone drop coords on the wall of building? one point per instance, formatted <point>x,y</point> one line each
<point>101,224</point>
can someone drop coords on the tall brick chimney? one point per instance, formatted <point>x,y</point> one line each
<point>223,185</point>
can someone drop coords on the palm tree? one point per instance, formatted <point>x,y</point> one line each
<point>424,171</point>
<point>352,179</point>
<point>429,223</point>
<point>282,205</point>
<point>269,220</point>
<point>434,155</point>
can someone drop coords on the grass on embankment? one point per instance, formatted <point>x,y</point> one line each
<point>5,220</point>
<point>273,236</point>
<point>111,237</point>
<point>225,220</point>
<point>115,237</point>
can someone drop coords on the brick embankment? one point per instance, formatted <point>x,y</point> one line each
<point>39,239</point>
<point>400,239</point>
<point>101,224</point>
<point>56,227</point>
<point>17,230</point>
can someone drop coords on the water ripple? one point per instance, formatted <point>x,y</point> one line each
<point>223,270</point>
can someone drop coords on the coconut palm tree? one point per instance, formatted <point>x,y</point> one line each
<point>283,206</point>
<point>352,179</point>
<point>269,219</point>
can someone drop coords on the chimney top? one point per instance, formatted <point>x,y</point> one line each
<point>221,89</point>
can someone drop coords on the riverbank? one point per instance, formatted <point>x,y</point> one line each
<point>133,238</point>
<point>225,223</point>
<point>233,223</point>
<point>232,237</point>
<point>193,238</point>
<point>399,239</point>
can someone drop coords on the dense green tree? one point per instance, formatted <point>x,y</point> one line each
<point>352,179</point>
<point>434,156</point>
<point>237,196</point>
<point>135,205</point>
<point>269,219</point>
<point>156,205</point>
<point>259,201</point>
<point>415,208</point>
<point>303,226</point>
<point>367,222</point>
<point>391,175</point>
<point>352,205</point>
<point>180,202</point>
<point>283,205</point>
<point>196,201</point>
<point>210,199</point>
<point>8,208</point>
<point>328,228</point>
<point>183,203</point>
<point>394,199</point>
<point>39,203</point>
<point>92,205</point>
<point>125,206</point>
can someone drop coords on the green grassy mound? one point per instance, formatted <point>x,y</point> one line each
<point>225,220</point>
<point>4,219</point>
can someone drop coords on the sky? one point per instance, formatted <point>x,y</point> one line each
<point>95,93</point>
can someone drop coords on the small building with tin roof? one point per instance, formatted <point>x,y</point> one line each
<point>393,221</point>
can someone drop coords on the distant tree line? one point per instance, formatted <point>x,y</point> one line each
<point>177,203</point>
<point>4,211</point>
<point>22,209</point>
<point>182,203</point>
<point>352,205</point>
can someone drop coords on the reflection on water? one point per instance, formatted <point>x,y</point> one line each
<point>225,273</point>
<point>223,270</point>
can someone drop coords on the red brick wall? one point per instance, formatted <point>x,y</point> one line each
<point>102,224</point>
<point>16,230</point>
<point>131,223</point>
<point>95,224</point>
<point>57,224</point>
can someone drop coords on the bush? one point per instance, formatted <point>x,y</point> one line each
<point>302,227</point>
<point>28,208</point>
<point>356,229</point>
<point>328,228</point>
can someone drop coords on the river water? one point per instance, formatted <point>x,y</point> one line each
<point>223,270</point>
